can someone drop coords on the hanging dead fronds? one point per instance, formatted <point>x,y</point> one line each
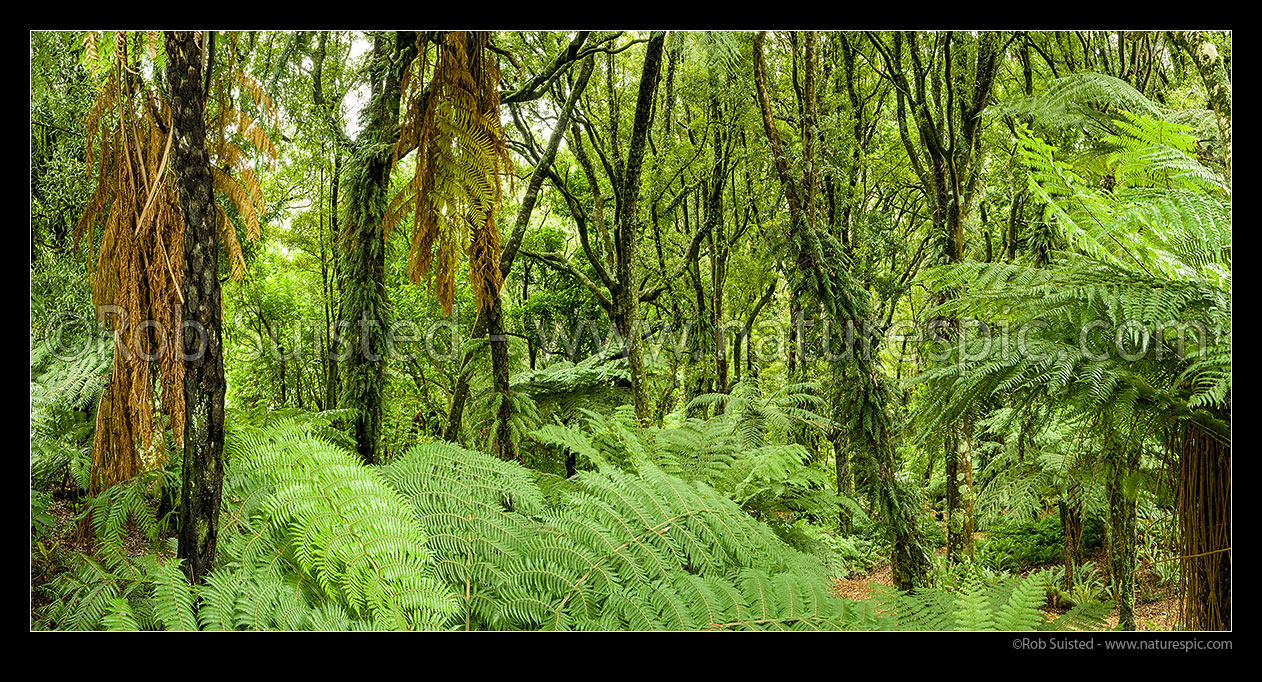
<point>138,283</point>
<point>452,121</point>
<point>138,286</point>
<point>255,90</point>
<point>235,129</point>
<point>90,49</point>
<point>1203,503</point>
<point>230,187</point>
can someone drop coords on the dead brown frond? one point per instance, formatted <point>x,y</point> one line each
<point>137,288</point>
<point>453,124</point>
<point>245,205</point>
<point>138,285</point>
<point>245,126</point>
<point>232,246</point>
<point>233,169</point>
<point>252,88</point>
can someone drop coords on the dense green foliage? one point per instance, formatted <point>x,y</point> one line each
<point>1033,543</point>
<point>796,330</point>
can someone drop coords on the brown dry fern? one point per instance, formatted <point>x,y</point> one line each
<point>138,283</point>
<point>453,124</point>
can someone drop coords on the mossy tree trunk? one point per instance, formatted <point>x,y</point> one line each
<point>959,490</point>
<point>203,349</point>
<point>867,394</point>
<point>1122,500</point>
<point>626,297</point>
<point>364,317</point>
<point>1217,83</point>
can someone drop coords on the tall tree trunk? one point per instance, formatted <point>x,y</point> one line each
<point>702,380</point>
<point>365,309</point>
<point>793,346</point>
<point>503,446</point>
<point>627,296</point>
<point>203,350</point>
<point>460,396</point>
<point>959,490</point>
<point>331,385</point>
<point>718,259</point>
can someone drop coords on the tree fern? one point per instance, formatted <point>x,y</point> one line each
<point>357,537</point>
<point>613,550</point>
<point>476,511</point>
<point>1008,604</point>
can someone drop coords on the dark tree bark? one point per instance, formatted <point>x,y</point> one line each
<point>203,372</point>
<point>503,444</point>
<point>747,329</point>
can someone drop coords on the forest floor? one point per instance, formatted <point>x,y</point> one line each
<point>858,587</point>
<point>49,555</point>
<point>1156,607</point>
<point>1159,613</point>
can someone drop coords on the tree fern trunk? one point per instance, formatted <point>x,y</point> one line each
<point>1204,506</point>
<point>959,489</point>
<point>845,482</point>
<point>1122,511</point>
<point>503,445</point>
<point>1071,525</point>
<point>203,373</point>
